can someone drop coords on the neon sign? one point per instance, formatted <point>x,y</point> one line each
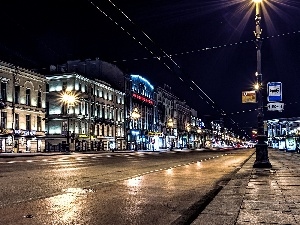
<point>142,98</point>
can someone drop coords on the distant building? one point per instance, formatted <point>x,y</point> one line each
<point>22,107</point>
<point>167,120</point>
<point>284,133</point>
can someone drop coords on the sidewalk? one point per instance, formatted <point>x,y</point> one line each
<point>258,196</point>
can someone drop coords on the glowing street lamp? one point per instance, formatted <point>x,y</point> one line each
<point>262,159</point>
<point>69,99</point>
<point>188,128</point>
<point>135,115</point>
<point>170,123</point>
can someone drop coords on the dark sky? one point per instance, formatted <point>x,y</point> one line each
<point>209,43</point>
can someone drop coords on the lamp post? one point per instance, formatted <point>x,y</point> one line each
<point>199,132</point>
<point>68,99</point>
<point>262,159</point>
<point>135,115</point>
<point>188,128</point>
<point>170,126</point>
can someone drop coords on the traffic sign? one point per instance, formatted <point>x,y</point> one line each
<point>275,106</point>
<point>274,92</point>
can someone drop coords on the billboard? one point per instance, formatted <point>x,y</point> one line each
<point>249,97</point>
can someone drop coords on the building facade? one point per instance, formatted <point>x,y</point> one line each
<point>167,119</point>
<point>23,108</point>
<point>140,113</point>
<point>84,114</point>
<point>183,117</point>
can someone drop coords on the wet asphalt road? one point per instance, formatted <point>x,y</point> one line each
<point>111,188</point>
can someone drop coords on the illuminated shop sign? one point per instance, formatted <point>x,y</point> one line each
<point>155,133</point>
<point>25,132</point>
<point>135,132</point>
<point>142,98</point>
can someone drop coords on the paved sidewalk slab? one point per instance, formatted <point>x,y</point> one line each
<point>259,196</point>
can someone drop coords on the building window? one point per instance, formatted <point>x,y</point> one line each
<point>3,120</point>
<point>39,123</point>
<point>17,94</point>
<point>17,122</point>
<point>86,112</point>
<point>64,86</point>
<point>47,108</point>
<point>3,92</point>
<point>98,130</point>
<point>108,131</point>
<point>92,91</point>
<point>39,101</point>
<point>28,122</point>
<point>28,102</point>
<point>102,130</point>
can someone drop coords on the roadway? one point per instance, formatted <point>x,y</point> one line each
<point>113,188</point>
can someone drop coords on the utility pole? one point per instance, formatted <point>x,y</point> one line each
<point>262,159</point>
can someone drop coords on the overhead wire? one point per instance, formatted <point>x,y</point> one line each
<point>209,48</point>
<point>179,74</point>
<point>165,55</point>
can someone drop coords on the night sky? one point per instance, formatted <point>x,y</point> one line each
<point>207,44</point>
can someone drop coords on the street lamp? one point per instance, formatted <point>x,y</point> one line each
<point>170,126</point>
<point>199,132</point>
<point>68,99</point>
<point>188,128</point>
<point>135,115</point>
<point>262,159</point>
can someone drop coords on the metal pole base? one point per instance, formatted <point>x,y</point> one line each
<point>262,159</point>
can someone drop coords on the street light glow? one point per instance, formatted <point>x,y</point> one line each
<point>170,123</point>
<point>135,114</point>
<point>257,1</point>
<point>68,98</point>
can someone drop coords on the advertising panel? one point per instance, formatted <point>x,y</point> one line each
<point>249,97</point>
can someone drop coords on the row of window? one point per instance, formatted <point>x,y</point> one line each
<point>3,122</point>
<point>28,96</point>
<point>97,93</point>
<point>98,111</point>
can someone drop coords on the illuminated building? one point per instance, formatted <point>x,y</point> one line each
<point>23,107</point>
<point>140,113</point>
<point>284,133</point>
<point>167,119</point>
<point>94,121</point>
